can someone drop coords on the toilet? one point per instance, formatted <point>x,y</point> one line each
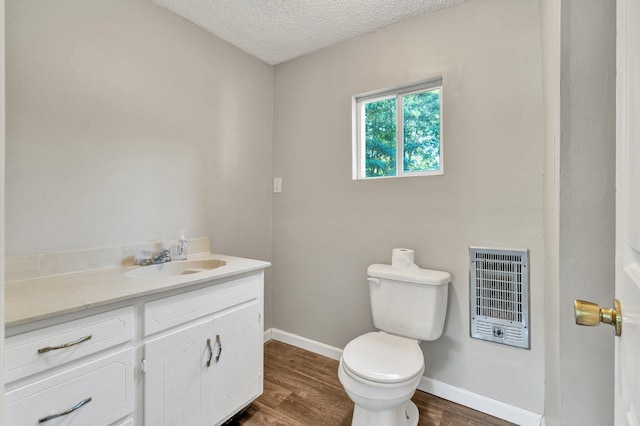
<point>380,371</point>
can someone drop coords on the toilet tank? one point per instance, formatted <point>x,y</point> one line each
<point>410,303</point>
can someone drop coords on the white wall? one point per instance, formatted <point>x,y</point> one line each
<point>127,123</point>
<point>581,220</point>
<point>328,228</point>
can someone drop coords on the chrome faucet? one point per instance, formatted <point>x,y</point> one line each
<point>163,257</point>
<point>146,259</point>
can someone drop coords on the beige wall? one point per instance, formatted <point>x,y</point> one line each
<point>328,228</point>
<point>127,123</point>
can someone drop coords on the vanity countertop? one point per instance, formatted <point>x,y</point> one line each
<point>29,300</point>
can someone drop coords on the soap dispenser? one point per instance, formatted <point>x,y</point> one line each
<point>183,246</point>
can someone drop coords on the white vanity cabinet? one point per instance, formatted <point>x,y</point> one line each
<point>189,356</point>
<point>203,354</point>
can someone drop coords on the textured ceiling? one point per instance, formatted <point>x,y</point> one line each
<point>278,30</point>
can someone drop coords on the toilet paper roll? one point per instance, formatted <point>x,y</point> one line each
<point>402,259</point>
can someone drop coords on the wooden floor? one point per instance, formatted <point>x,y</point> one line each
<point>302,389</point>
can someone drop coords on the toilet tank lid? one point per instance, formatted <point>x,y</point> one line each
<point>416,276</point>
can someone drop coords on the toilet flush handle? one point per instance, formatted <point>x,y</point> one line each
<point>374,280</point>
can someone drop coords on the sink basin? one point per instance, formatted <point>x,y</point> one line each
<point>171,269</point>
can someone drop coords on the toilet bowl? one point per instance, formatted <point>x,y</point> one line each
<point>380,371</point>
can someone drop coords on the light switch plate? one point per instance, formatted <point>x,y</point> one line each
<point>277,185</point>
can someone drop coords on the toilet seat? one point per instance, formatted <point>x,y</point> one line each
<point>383,358</point>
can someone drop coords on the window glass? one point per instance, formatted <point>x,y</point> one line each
<point>380,137</point>
<point>421,121</point>
<point>398,132</point>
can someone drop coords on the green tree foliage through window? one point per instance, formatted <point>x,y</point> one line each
<point>380,137</point>
<point>421,120</point>
<point>419,130</point>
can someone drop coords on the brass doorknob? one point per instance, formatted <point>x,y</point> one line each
<point>588,313</point>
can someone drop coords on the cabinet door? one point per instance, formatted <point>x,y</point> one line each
<point>238,370</point>
<point>178,386</point>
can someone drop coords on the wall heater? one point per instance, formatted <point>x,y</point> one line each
<point>499,295</point>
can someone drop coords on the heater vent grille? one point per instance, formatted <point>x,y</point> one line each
<point>499,295</point>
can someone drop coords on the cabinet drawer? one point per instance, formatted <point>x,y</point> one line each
<point>38,350</point>
<point>106,385</point>
<point>175,310</point>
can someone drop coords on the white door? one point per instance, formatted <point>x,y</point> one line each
<point>627,370</point>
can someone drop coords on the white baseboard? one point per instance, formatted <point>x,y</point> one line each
<point>460,396</point>
<point>479,402</point>
<point>307,344</point>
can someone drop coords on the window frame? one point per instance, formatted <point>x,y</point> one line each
<point>358,137</point>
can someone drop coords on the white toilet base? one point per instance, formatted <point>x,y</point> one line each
<point>404,415</point>
<point>412,413</point>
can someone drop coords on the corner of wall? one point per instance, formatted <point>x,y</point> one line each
<point>550,33</point>
<point>2,191</point>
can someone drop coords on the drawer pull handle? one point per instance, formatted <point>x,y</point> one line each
<point>64,413</point>
<point>219,344</point>
<point>210,352</point>
<point>66,345</point>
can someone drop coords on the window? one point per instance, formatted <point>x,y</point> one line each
<point>398,132</point>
